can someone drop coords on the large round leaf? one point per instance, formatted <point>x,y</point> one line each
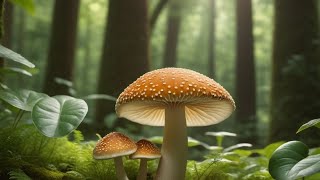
<point>306,167</point>
<point>285,158</point>
<point>59,115</point>
<point>22,99</point>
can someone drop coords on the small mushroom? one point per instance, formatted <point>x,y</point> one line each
<point>115,145</point>
<point>174,98</point>
<point>146,151</point>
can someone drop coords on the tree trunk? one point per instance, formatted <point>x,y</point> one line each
<point>211,39</point>
<point>295,72</point>
<point>6,25</point>
<point>245,74</point>
<point>173,28</point>
<point>62,46</point>
<point>21,30</point>
<point>156,12</point>
<point>87,54</point>
<point>125,53</point>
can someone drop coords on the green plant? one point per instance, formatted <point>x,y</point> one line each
<point>220,135</point>
<point>54,116</point>
<point>293,160</point>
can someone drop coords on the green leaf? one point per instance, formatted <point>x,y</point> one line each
<point>221,133</point>
<point>314,177</point>
<point>64,82</point>
<point>306,167</point>
<point>237,146</point>
<point>100,96</point>
<point>193,142</point>
<point>315,122</point>
<point>269,149</point>
<point>11,55</point>
<point>285,158</point>
<point>22,99</point>
<point>28,5</point>
<point>57,116</point>
<point>18,174</point>
<point>15,70</point>
<point>314,151</point>
<point>159,139</point>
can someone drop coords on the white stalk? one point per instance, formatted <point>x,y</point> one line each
<point>174,149</point>
<point>120,172</point>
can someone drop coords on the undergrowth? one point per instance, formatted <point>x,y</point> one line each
<point>25,153</point>
<point>25,149</point>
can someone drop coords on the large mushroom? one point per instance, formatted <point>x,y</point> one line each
<point>146,151</point>
<point>113,146</point>
<point>174,98</point>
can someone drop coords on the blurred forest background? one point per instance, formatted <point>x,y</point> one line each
<point>265,53</point>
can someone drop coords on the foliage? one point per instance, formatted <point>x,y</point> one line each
<point>22,99</point>
<point>18,174</point>
<point>57,116</point>
<point>11,55</point>
<point>25,146</point>
<point>54,116</point>
<point>315,122</point>
<point>293,160</point>
<point>28,5</point>
<point>220,135</point>
<point>237,164</point>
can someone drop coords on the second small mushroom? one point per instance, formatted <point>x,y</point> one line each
<point>146,151</point>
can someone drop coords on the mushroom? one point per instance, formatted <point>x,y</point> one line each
<point>174,98</point>
<point>115,145</point>
<point>146,151</point>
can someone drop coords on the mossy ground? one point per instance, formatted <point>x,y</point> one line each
<point>27,154</point>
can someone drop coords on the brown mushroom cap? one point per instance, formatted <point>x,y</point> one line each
<point>146,150</point>
<point>113,145</point>
<point>145,100</point>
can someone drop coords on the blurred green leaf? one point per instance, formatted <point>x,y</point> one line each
<point>159,139</point>
<point>242,152</point>
<point>57,116</point>
<point>62,81</point>
<point>314,151</point>
<point>221,133</point>
<point>237,146</point>
<point>3,86</point>
<point>18,174</point>
<point>258,175</point>
<point>27,5</point>
<point>314,177</point>
<point>22,99</point>
<point>212,148</point>
<point>11,55</point>
<point>269,149</point>
<point>315,122</point>
<point>193,142</point>
<point>15,70</point>
<point>100,96</point>
<point>285,158</point>
<point>306,167</point>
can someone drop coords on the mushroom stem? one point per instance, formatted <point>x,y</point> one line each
<point>175,145</point>
<point>120,172</point>
<point>142,174</point>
